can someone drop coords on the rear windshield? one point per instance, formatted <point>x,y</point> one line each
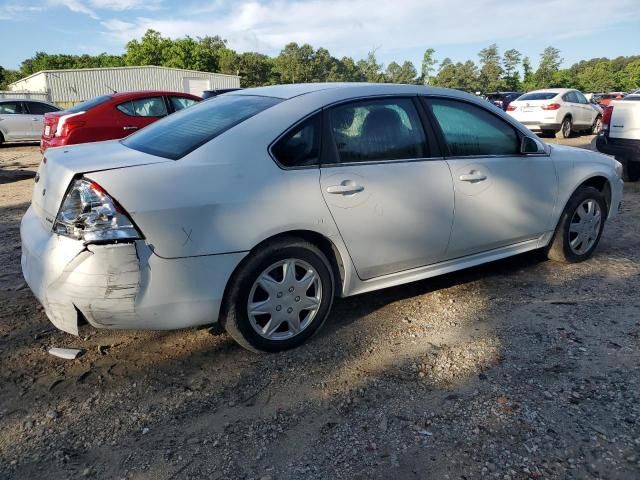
<point>538,96</point>
<point>88,104</point>
<point>179,134</point>
<point>633,97</point>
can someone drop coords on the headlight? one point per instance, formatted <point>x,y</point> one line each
<point>88,213</point>
<point>619,169</point>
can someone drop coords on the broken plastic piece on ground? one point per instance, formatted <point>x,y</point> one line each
<point>66,353</point>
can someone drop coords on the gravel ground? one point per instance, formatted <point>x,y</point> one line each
<point>521,369</point>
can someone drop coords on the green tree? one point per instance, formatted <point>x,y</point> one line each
<point>345,70</point>
<point>490,76</point>
<point>150,50</point>
<point>446,75</point>
<point>405,73</point>
<point>294,63</point>
<point>511,60</point>
<point>428,66</point>
<point>528,79</point>
<point>370,69</point>
<point>8,76</point>
<point>629,79</point>
<point>550,62</point>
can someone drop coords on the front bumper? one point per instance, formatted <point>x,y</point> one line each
<point>121,285</point>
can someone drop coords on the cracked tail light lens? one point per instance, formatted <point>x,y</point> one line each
<point>88,213</point>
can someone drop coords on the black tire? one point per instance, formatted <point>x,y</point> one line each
<point>597,125</point>
<point>630,169</point>
<point>566,128</point>
<point>235,317</point>
<point>559,248</point>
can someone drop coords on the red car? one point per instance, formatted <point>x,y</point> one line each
<point>110,116</point>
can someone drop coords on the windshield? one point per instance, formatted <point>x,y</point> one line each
<point>179,134</point>
<point>88,104</point>
<point>538,96</point>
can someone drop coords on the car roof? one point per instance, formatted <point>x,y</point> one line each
<point>146,93</point>
<point>554,90</point>
<point>341,90</point>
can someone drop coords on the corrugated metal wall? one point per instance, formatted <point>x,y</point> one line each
<point>68,87</point>
<point>33,95</point>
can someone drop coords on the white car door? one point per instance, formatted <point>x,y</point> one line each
<point>588,112</point>
<point>391,200</point>
<point>501,196</point>
<point>15,125</point>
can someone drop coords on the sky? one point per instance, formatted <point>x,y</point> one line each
<point>397,30</point>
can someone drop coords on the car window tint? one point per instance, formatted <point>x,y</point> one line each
<point>37,108</point>
<point>538,96</point>
<point>127,108</point>
<point>471,130</point>
<point>89,104</point>
<point>301,146</point>
<point>8,108</point>
<point>581,98</point>
<point>387,129</point>
<point>179,103</point>
<point>178,134</point>
<point>148,107</point>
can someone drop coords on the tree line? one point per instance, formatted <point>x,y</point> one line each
<point>302,63</point>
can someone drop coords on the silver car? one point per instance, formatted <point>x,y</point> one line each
<point>254,209</point>
<point>22,120</point>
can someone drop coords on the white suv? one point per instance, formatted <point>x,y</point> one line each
<point>559,111</point>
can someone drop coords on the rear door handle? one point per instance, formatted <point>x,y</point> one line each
<point>129,127</point>
<point>473,177</point>
<point>345,188</point>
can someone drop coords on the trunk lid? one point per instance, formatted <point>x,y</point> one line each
<point>60,165</point>
<point>625,120</point>
<point>51,124</point>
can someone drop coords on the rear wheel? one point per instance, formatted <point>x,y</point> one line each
<point>580,227</point>
<point>565,128</point>
<point>280,297</point>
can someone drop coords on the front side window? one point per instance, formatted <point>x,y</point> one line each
<point>178,134</point>
<point>180,103</point>
<point>301,146</point>
<point>144,107</point>
<point>37,108</point>
<point>388,129</point>
<point>10,108</point>
<point>471,130</point>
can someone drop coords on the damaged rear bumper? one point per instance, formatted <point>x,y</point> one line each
<point>121,285</point>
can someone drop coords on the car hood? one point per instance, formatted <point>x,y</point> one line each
<point>60,165</point>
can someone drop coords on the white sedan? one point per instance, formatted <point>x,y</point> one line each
<point>558,111</point>
<point>254,209</point>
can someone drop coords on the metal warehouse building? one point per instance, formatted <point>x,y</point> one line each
<point>68,87</point>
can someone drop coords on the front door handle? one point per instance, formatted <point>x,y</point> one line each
<point>345,188</point>
<point>129,127</point>
<point>473,177</point>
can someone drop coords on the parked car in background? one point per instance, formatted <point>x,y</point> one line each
<point>21,120</point>
<point>215,92</point>
<point>110,117</point>
<point>620,135</point>
<point>502,99</point>
<point>603,99</point>
<point>254,209</point>
<point>556,111</point>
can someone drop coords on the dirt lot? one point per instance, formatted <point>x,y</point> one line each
<point>519,369</point>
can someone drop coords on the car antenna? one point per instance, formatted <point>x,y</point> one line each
<point>110,88</point>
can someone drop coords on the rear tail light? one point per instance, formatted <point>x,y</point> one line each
<point>551,106</point>
<point>511,108</point>
<point>67,123</point>
<point>606,117</point>
<point>88,213</point>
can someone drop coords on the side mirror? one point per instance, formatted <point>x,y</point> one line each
<point>530,145</point>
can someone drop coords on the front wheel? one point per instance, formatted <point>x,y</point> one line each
<point>280,297</point>
<point>597,125</point>
<point>565,128</point>
<point>580,227</point>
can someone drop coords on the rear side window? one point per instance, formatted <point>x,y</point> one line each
<point>89,104</point>
<point>471,130</point>
<point>180,103</point>
<point>37,108</point>
<point>570,97</point>
<point>538,96</point>
<point>178,134</point>
<point>301,146</point>
<point>144,107</point>
<point>388,129</point>
<point>10,108</point>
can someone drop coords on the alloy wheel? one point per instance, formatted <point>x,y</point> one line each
<point>284,299</point>
<point>585,226</point>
